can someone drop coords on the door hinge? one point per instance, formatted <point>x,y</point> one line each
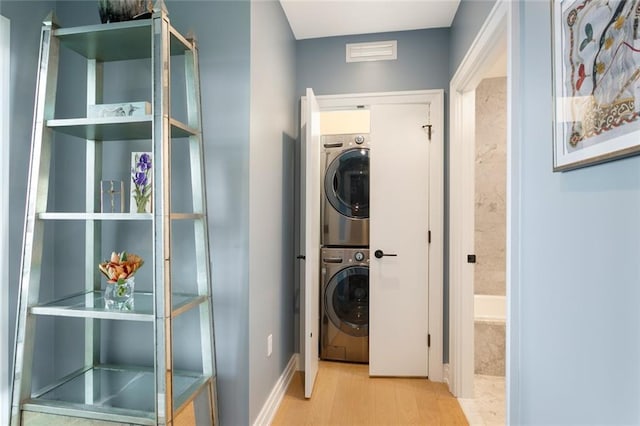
<point>428,128</point>
<point>429,236</point>
<point>428,340</point>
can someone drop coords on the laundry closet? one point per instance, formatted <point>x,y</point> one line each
<point>344,235</point>
<point>367,178</point>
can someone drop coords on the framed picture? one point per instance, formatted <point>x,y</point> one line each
<point>140,200</point>
<point>596,81</point>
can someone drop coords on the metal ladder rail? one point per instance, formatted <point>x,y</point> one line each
<point>199,199</point>
<point>161,224</point>
<point>37,194</point>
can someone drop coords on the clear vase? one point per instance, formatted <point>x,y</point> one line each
<point>119,296</point>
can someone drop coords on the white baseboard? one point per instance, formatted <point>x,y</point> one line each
<point>445,376</point>
<point>270,407</point>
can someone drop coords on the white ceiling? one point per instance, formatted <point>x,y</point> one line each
<point>326,18</point>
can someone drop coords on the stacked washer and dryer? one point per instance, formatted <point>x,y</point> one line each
<point>344,298</point>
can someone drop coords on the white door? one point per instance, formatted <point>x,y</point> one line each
<point>310,235</point>
<point>399,217</point>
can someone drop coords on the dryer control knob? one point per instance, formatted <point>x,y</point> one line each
<point>359,139</point>
<point>359,256</point>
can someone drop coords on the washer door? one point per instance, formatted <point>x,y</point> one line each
<point>346,183</point>
<point>347,300</point>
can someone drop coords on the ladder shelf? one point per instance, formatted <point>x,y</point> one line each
<point>173,311</point>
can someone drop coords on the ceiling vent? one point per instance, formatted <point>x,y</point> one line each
<point>374,51</point>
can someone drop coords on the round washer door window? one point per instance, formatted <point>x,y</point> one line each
<point>346,183</point>
<point>347,300</point>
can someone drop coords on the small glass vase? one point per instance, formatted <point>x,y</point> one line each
<point>119,296</point>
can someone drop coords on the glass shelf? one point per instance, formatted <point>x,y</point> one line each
<point>113,216</point>
<point>91,305</point>
<point>117,41</point>
<point>94,216</point>
<point>113,393</point>
<point>116,128</point>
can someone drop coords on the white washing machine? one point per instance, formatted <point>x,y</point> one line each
<point>345,190</point>
<point>344,300</point>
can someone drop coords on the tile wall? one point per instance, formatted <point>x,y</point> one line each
<point>490,218</point>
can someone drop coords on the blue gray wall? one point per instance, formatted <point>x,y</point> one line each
<point>272,159</point>
<point>576,342</point>
<point>422,64</point>
<point>469,18</point>
<point>223,30</point>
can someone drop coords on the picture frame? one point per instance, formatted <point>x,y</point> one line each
<point>596,81</point>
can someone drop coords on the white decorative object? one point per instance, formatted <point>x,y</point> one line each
<point>127,109</point>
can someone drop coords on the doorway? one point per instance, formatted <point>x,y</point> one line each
<point>471,207</point>
<point>432,340</point>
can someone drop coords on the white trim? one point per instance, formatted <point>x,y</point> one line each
<point>270,407</point>
<point>5,76</point>
<point>476,62</point>
<point>514,209</point>
<point>446,375</point>
<point>436,200</point>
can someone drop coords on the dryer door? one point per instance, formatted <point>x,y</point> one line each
<point>347,300</point>
<point>346,183</point>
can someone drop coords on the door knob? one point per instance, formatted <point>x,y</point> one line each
<point>379,253</point>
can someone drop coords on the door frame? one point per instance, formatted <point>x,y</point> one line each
<point>436,203</point>
<point>5,76</point>
<point>479,58</point>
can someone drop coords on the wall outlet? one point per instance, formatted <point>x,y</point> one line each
<point>269,344</point>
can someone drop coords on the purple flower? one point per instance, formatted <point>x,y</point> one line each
<point>144,162</point>
<point>140,178</point>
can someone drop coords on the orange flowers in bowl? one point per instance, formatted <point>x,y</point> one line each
<point>120,266</point>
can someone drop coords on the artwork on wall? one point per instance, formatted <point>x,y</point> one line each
<point>596,81</point>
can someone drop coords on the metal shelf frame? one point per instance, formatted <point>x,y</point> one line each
<point>167,392</point>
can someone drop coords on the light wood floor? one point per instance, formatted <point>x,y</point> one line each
<point>344,394</point>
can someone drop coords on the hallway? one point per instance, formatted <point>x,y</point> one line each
<point>344,394</point>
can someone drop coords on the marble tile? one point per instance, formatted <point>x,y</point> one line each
<point>489,354</point>
<point>490,399</point>
<point>488,406</point>
<point>490,189</point>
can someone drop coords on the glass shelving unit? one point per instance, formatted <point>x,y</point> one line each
<point>157,393</point>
